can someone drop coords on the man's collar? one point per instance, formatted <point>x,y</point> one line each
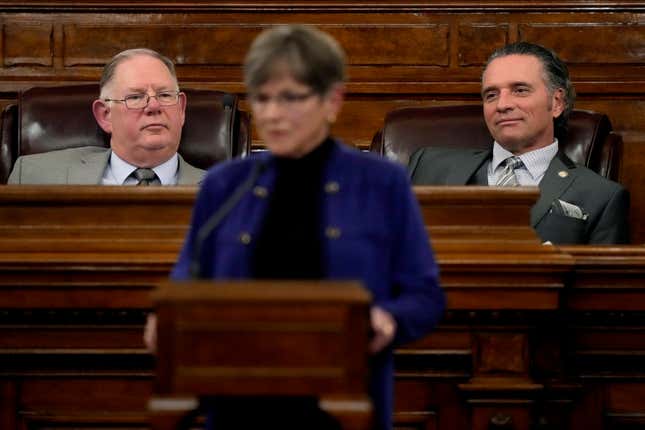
<point>537,159</point>
<point>166,172</point>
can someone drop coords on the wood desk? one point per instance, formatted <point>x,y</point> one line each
<point>533,333</point>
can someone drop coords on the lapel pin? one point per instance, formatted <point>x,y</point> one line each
<point>260,191</point>
<point>332,187</point>
<point>563,173</point>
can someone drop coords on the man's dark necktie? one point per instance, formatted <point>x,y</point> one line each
<point>146,177</point>
<point>508,178</point>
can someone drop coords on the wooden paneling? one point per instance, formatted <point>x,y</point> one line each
<point>317,5</point>
<point>473,36</point>
<point>625,397</point>
<point>532,333</point>
<point>84,402</point>
<point>399,46</point>
<point>190,45</point>
<point>393,45</point>
<point>115,393</point>
<point>28,45</point>
<point>579,43</point>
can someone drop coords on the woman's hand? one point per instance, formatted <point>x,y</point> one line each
<point>384,328</point>
<point>150,333</point>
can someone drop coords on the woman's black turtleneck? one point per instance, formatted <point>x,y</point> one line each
<point>289,244</point>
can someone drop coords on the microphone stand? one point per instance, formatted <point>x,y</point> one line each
<point>216,218</point>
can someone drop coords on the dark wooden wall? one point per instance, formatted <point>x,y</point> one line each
<point>400,53</point>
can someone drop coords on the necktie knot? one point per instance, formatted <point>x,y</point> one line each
<point>513,162</point>
<point>507,178</point>
<point>146,177</point>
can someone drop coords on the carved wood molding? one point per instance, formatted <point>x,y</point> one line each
<point>325,5</point>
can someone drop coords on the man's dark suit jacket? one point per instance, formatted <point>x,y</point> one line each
<point>605,202</point>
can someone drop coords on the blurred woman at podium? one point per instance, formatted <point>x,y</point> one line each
<point>311,207</point>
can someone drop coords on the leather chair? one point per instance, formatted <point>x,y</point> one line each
<point>589,140</point>
<point>52,118</point>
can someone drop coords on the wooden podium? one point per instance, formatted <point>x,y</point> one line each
<point>258,338</point>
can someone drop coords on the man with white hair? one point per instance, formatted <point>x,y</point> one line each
<point>142,109</point>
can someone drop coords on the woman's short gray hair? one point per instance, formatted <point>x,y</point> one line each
<point>309,55</point>
<point>110,67</point>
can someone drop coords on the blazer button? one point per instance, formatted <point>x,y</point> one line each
<point>260,192</point>
<point>332,187</point>
<point>245,238</point>
<point>332,232</point>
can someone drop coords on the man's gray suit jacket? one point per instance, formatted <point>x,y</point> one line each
<point>79,166</point>
<point>605,202</point>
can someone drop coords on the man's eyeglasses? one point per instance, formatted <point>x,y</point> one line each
<point>141,100</point>
<point>287,99</point>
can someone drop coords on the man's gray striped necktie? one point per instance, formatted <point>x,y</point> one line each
<point>146,177</point>
<point>508,178</point>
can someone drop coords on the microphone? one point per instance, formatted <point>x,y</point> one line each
<point>216,218</point>
<point>228,103</point>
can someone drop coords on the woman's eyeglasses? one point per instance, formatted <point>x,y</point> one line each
<point>286,99</point>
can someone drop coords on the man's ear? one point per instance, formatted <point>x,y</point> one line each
<point>558,102</point>
<point>182,107</point>
<point>101,112</point>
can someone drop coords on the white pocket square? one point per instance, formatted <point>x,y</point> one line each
<point>569,209</point>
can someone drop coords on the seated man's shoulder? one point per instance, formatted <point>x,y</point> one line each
<point>591,179</point>
<point>433,165</point>
<point>435,153</point>
<point>51,167</point>
<point>67,155</point>
<point>188,173</point>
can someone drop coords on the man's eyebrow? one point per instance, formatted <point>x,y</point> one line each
<point>156,88</point>
<point>521,84</point>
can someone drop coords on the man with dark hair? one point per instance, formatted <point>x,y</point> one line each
<point>527,97</point>
<point>142,109</point>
